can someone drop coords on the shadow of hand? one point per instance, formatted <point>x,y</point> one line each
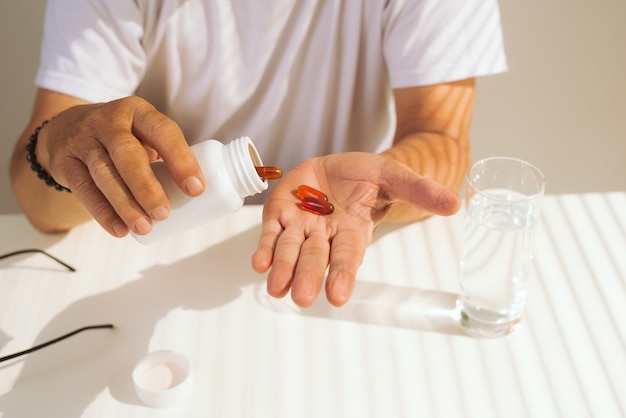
<point>65,378</point>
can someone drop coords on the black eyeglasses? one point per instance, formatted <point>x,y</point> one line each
<point>36,250</point>
<point>56,340</point>
<point>61,338</point>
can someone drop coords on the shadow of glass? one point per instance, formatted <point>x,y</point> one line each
<point>380,304</point>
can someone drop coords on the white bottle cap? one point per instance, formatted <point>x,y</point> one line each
<point>162,378</point>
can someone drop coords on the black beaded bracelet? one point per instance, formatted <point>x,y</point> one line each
<point>35,166</point>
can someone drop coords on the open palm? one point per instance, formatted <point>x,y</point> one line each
<point>298,246</point>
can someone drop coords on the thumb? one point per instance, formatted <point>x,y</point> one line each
<point>424,193</point>
<point>434,197</point>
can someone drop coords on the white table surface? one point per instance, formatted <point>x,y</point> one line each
<point>394,351</point>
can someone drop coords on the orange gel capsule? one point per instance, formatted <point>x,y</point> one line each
<point>305,191</point>
<point>317,206</point>
<point>269,172</point>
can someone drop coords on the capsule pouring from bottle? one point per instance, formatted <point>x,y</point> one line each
<point>269,172</point>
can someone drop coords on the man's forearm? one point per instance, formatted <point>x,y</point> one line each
<point>432,136</point>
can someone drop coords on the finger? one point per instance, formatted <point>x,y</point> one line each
<point>310,270</point>
<point>110,184</point>
<point>130,182</point>
<point>346,255</point>
<point>284,263</point>
<point>262,257</point>
<point>166,137</point>
<point>94,201</point>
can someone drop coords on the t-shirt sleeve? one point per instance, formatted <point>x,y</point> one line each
<point>92,49</point>
<point>433,41</point>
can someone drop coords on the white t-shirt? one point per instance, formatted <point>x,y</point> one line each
<point>300,77</point>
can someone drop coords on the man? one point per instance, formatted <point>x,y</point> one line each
<point>368,101</point>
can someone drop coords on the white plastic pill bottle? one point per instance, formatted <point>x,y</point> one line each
<point>230,175</point>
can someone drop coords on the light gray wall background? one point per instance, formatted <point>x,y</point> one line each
<point>562,105</point>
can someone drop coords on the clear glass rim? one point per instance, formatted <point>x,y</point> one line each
<point>542,186</point>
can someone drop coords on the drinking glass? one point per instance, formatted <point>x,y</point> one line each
<point>502,201</point>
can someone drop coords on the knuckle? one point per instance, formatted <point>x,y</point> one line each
<point>164,130</point>
<point>149,195</point>
<point>165,125</point>
<point>101,209</point>
<point>126,148</point>
<point>103,171</point>
<point>82,187</point>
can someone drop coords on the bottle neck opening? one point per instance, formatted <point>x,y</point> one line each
<point>241,159</point>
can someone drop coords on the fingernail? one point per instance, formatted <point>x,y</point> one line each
<point>193,186</point>
<point>142,226</point>
<point>160,213</point>
<point>120,229</point>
